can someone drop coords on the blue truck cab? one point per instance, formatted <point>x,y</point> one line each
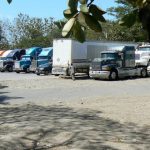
<point>44,62</point>
<point>27,60</point>
<point>9,60</point>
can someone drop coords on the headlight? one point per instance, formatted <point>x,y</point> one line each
<point>106,68</point>
<point>41,68</point>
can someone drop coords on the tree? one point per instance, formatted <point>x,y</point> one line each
<point>78,22</point>
<point>4,44</point>
<point>133,33</point>
<point>90,16</point>
<point>28,31</point>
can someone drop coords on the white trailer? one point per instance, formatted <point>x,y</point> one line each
<point>71,57</point>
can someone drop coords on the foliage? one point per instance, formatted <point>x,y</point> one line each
<point>134,32</point>
<point>28,31</point>
<point>89,16</point>
<point>83,15</point>
<point>3,40</point>
<point>9,1</point>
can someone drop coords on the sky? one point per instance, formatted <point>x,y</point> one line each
<point>42,8</point>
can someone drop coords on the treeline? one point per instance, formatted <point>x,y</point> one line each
<point>25,31</point>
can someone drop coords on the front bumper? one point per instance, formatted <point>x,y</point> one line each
<point>99,74</point>
<point>142,62</point>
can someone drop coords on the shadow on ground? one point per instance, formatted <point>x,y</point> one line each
<point>56,127</point>
<point>4,99</point>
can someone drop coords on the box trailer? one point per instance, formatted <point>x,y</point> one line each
<point>71,57</point>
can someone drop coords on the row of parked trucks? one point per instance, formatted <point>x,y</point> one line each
<point>98,59</point>
<point>27,60</point>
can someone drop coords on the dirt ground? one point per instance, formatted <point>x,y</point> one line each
<point>51,113</point>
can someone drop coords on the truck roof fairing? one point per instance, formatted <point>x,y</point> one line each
<point>46,51</point>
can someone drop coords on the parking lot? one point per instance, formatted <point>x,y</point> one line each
<point>41,110</point>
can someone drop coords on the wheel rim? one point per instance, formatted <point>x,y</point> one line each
<point>10,69</point>
<point>143,73</point>
<point>113,75</point>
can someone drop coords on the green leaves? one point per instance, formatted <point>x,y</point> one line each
<point>129,19</point>
<point>73,4</point>
<point>97,13</point>
<point>9,1</point>
<point>84,8</point>
<point>88,16</point>
<point>78,32</point>
<point>68,26</point>
<point>68,13</point>
<point>89,22</point>
<point>83,1</point>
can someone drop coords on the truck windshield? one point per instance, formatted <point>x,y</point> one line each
<point>109,56</point>
<point>144,49</point>
<point>2,58</point>
<point>9,58</point>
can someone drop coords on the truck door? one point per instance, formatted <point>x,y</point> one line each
<point>129,54</point>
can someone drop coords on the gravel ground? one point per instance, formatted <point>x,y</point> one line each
<point>48,112</point>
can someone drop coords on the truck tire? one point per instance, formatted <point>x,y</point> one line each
<point>10,69</point>
<point>46,72</point>
<point>144,73</point>
<point>17,71</point>
<point>37,74</point>
<point>27,70</point>
<point>113,75</point>
<point>2,70</point>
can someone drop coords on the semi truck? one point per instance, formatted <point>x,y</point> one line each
<point>3,59</point>
<point>116,62</point>
<point>7,63</point>
<point>44,61</point>
<point>71,57</point>
<point>142,54</point>
<point>28,61</point>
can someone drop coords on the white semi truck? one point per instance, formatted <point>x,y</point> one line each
<point>142,54</point>
<point>71,57</point>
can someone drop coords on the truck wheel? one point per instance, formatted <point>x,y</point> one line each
<point>27,70</point>
<point>10,69</point>
<point>144,73</point>
<point>56,75</point>
<point>17,71</point>
<point>46,72</point>
<point>2,70</point>
<point>113,75</point>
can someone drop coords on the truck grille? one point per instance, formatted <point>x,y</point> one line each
<point>96,66</point>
